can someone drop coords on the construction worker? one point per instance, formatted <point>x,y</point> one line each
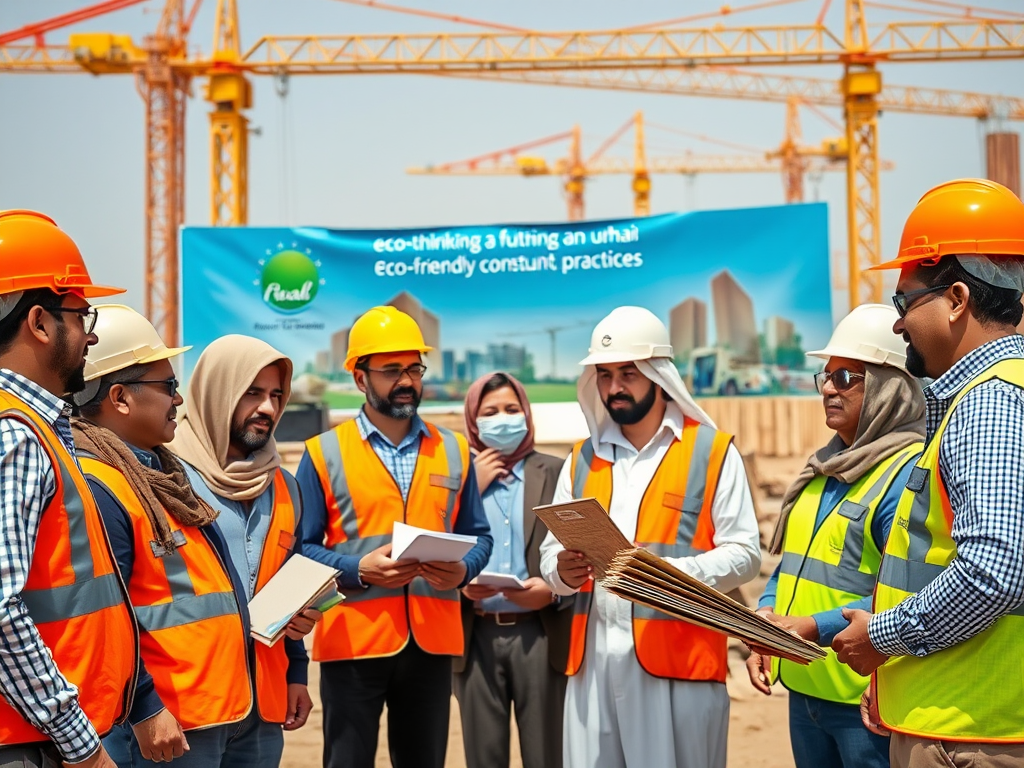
<point>237,394</point>
<point>68,644</point>
<point>832,530</point>
<point>195,701</point>
<point>944,641</point>
<point>393,639</point>
<point>646,689</point>
<point>516,640</point>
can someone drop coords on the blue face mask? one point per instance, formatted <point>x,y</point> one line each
<point>503,431</point>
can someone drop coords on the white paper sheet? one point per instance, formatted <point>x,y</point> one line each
<point>411,543</point>
<point>498,580</point>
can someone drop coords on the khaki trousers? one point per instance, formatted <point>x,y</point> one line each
<point>914,752</point>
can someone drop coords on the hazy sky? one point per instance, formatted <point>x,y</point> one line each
<point>72,145</point>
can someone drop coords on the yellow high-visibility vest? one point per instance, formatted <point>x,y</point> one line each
<point>973,691</point>
<point>836,565</point>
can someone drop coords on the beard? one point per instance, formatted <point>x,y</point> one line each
<point>70,364</point>
<point>387,405</point>
<point>250,440</point>
<point>915,362</point>
<point>636,410</point>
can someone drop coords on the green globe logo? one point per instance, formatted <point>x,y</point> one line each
<point>289,281</point>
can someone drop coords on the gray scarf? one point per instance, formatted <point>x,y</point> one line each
<point>891,418</point>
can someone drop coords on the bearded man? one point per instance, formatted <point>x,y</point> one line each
<point>393,639</point>
<point>646,689</point>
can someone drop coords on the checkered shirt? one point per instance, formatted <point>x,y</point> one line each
<point>981,460</point>
<point>29,680</point>
<point>400,460</point>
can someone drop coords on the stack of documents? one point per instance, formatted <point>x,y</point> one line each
<point>642,577</point>
<point>300,584</point>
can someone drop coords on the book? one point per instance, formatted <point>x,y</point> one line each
<point>301,583</point>
<point>642,577</point>
<point>411,543</point>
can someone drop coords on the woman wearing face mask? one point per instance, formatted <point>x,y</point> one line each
<point>517,640</point>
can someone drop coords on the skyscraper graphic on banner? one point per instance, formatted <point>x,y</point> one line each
<point>688,327</point>
<point>735,328</point>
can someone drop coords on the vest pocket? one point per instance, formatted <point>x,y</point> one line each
<point>691,505</point>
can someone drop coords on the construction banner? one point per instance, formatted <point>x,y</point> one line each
<point>744,293</point>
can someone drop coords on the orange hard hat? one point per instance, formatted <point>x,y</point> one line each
<point>383,329</point>
<point>961,217</point>
<point>36,253</point>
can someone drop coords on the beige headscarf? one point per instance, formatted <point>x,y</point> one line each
<point>225,370</point>
<point>891,418</point>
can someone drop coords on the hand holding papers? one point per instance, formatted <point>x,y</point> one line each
<point>300,584</point>
<point>411,543</point>
<point>583,525</point>
<point>642,577</point>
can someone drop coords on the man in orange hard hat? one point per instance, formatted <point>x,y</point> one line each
<point>944,639</point>
<point>68,642</point>
<point>393,639</point>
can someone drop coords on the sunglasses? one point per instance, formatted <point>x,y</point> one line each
<point>171,384</point>
<point>903,301</point>
<point>841,379</point>
<point>396,372</point>
<point>89,315</point>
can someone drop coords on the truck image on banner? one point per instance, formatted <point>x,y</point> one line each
<point>743,293</point>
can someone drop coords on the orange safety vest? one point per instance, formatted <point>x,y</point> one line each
<point>272,661</point>
<point>674,521</point>
<point>74,595</point>
<point>363,504</point>
<point>193,642</point>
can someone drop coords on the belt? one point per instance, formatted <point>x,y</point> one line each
<point>506,619</point>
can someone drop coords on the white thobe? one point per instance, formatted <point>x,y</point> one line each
<point>616,715</point>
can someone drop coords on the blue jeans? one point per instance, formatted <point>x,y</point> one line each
<point>250,743</point>
<point>825,734</point>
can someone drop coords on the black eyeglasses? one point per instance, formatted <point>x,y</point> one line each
<point>396,372</point>
<point>904,300</point>
<point>841,379</point>
<point>171,384</point>
<point>88,315</point>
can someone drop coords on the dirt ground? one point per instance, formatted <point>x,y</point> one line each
<point>758,727</point>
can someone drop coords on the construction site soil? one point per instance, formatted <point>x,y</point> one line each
<point>758,728</point>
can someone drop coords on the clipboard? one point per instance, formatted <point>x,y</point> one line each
<point>585,526</point>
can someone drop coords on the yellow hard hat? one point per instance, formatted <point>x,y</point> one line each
<point>383,329</point>
<point>126,338</point>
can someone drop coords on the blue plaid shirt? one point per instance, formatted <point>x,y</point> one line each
<point>981,460</point>
<point>29,679</point>
<point>400,459</point>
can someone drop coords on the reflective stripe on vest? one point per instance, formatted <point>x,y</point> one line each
<point>193,643</point>
<point>363,503</point>
<point>74,594</point>
<point>830,567</point>
<point>674,521</point>
<point>971,691</point>
<point>272,661</point>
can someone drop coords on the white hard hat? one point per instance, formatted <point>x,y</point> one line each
<point>126,338</point>
<point>626,335</point>
<point>866,335</point>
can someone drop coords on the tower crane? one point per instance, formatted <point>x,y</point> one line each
<point>791,159</point>
<point>165,69</point>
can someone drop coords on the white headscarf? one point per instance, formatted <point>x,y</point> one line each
<point>662,371</point>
